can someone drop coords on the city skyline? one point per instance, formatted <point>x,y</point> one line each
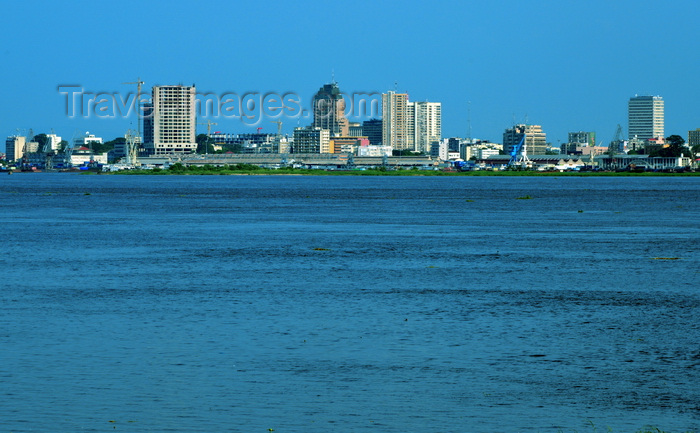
<point>565,67</point>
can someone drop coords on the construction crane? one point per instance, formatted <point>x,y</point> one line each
<point>48,152</point>
<point>68,150</point>
<point>209,125</point>
<point>518,154</point>
<point>279,126</point>
<point>137,102</point>
<point>617,145</point>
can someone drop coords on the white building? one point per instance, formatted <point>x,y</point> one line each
<point>646,117</point>
<point>54,142</point>
<point>485,152</point>
<point>85,140</point>
<point>427,124</point>
<point>170,123</point>
<point>409,125</point>
<point>438,149</point>
<point>373,150</point>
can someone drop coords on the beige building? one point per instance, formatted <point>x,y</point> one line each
<point>14,147</point>
<point>535,139</point>
<point>397,121</point>
<point>410,125</point>
<point>170,122</point>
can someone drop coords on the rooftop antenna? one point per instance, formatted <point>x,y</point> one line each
<point>333,76</point>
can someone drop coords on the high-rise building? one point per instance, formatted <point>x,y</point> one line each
<point>410,125</point>
<point>427,127</point>
<point>535,139</point>
<point>329,110</point>
<point>577,141</point>
<point>396,124</point>
<point>646,117</point>
<point>169,121</point>
<point>14,147</point>
<point>694,138</point>
<point>311,140</point>
<point>372,129</point>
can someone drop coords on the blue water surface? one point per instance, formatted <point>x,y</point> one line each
<point>349,304</point>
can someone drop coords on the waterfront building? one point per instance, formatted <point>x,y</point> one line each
<point>329,110</point>
<point>53,143</point>
<point>259,142</point>
<point>311,140</point>
<point>646,117</point>
<point>535,139</point>
<point>396,121</point>
<point>484,153</point>
<point>410,125</point>
<point>347,144</point>
<point>578,141</point>
<point>372,129</point>
<point>438,150</point>
<point>169,121</point>
<point>15,147</point>
<point>427,127</point>
<point>85,140</point>
<point>693,138</point>
<point>373,150</point>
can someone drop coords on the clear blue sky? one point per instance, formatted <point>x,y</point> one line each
<point>565,65</point>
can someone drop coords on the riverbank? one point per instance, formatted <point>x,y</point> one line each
<point>254,170</point>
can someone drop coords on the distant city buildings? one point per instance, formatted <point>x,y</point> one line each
<point>170,123</point>
<point>15,147</point>
<point>535,139</point>
<point>427,127</point>
<point>355,130</point>
<point>395,121</point>
<point>372,129</point>
<point>311,140</point>
<point>693,138</point>
<point>85,140</point>
<point>646,117</point>
<point>577,141</point>
<point>406,125</point>
<point>329,110</point>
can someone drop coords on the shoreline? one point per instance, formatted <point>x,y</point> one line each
<point>304,172</point>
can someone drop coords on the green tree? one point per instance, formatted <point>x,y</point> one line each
<point>695,150</point>
<point>675,148</point>
<point>204,144</point>
<point>41,139</point>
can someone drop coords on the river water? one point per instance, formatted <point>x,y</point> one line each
<point>349,304</point>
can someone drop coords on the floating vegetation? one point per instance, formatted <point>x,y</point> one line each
<point>321,249</point>
<point>87,193</point>
<point>580,211</point>
<point>666,258</point>
<point>525,197</point>
<point>469,200</point>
